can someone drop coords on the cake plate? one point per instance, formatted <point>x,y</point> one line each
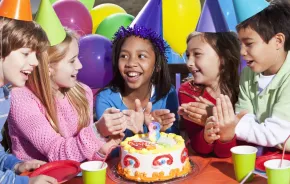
<point>112,173</point>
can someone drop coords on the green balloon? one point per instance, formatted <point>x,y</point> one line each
<point>110,25</point>
<point>52,1</point>
<point>88,3</point>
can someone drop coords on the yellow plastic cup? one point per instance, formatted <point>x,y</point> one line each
<point>93,173</point>
<point>244,159</point>
<point>276,174</point>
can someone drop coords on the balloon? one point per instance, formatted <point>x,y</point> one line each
<point>179,20</point>
<point>102,11</point>
<point>89,4</point>
<point>110,25</point>
<point>74,15</point>
<point>212,19</point>
<point>229,13</point>
<point>95,55</point>
<point>52,1</point>
<point>150,16</point>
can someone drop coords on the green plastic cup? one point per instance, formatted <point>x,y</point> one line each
<point>93,173</point>
<point>244,158</point>
<point>276,174</point>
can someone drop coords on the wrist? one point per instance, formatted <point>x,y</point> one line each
<point>16,168</point>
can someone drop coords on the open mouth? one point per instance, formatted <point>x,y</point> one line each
<point>133,74</point>
<point>195,71</point>
<point>250,62</point>
<point>26,72</point>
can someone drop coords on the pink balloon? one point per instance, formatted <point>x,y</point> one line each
<point>74,15</point>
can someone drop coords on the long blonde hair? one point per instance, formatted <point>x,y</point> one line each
<point>40,83</point>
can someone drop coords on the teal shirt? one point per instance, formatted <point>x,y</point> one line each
<point>273,101</point>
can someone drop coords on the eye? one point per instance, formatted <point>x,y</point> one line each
<point>187,54</point>
<point>197,54</point>
<point>25,53</point>
<point>123,56</point>
<point>142,56</point>
<point>72,61</point>
<point>249,44</point>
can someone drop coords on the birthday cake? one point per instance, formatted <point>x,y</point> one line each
<point>144,160</point>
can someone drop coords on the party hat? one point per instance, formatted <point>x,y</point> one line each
<point>212,19</point>
<point>16,9</point>
<point>48,20</point>
<point>248,8</point>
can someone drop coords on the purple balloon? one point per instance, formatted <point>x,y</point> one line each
<point>150,16</point>
<point>212,19</point>
<point>74,15</point>
<point>95,56</point>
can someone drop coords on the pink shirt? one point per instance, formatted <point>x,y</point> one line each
<point>33,137</point>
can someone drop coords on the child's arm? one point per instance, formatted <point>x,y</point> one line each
<point>31,123</point>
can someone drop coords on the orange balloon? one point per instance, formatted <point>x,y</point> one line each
<point>16,9</point>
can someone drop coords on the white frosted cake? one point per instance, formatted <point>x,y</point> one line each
<point>145,161</point>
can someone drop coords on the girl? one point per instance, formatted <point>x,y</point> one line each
<point>21,43</point>
<point>213,60</point>
<point>57,123</point>
<point>141,82</point>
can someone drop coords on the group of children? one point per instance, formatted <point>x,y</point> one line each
<point>51,115</point>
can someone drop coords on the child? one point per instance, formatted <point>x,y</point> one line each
<point>57,123</point>
<point>141,82</point>
<point>20,43</point>
<point>265,83</point>
<point>213,59</point>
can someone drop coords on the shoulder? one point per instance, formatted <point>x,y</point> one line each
<point>22,92</point>
<point>87,89</point>
<point>247,74</point>
<point>106,92</point>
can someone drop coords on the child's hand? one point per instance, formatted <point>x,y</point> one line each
<point>42,179</point>
<point>113,141</point>
<point>227,120</point>
<point>164,117</point>
<point>112,122</point>
<point>28,166</point>
<point>211,130</point>
<point>135,119</point>
<point>196,112</point>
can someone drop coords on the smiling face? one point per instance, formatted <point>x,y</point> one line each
<point>17,66</point>
<point>259,55</point>
<point>202,61</point>
<point>64,73</point>
<point>136,62</point>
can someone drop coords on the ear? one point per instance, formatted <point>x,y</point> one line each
<point>50,70</point>
<point>280,41</point>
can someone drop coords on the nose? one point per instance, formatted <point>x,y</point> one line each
<point>190,62</point>
<point>33,61</point>
<point>132,61</point>
<point>78,64</point>
<point>243,50</point>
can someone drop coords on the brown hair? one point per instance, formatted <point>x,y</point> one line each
<point>272,20</point>
<point>40,83</point>
<point>227,47</point>
<point>16,34</point>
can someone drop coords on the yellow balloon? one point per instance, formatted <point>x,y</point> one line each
<point>180,18</point>
<point>100,12</point>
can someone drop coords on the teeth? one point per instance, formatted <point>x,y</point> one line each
<point>26,72</point>
<point>132,74</point>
